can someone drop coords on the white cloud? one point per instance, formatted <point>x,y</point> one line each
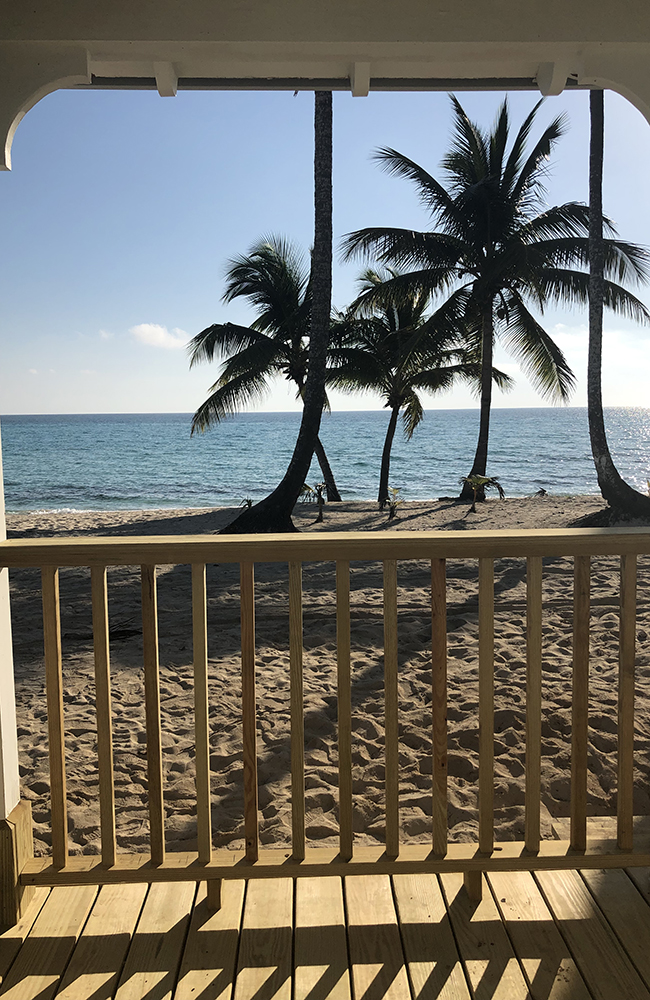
<point>155,335</point>
<point>33,371</point>
<point>105,335</point>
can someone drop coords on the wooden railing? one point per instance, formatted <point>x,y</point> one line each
<point>208,863</point>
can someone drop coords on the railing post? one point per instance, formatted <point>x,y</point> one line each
<point>16,843</point>
<point>9,782</point>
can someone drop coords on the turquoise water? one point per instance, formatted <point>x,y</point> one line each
<point>139,461</point>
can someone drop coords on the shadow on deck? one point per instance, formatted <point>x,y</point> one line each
<point>552,936</point>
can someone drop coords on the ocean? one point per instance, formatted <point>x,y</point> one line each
<point>149,461</point>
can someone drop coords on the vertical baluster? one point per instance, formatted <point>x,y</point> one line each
<point>297,712</point>
<point>473,880</point>
<point>152,714</point>
<point>439,702</point>
<point>580,702</point>
<point>486,704</point>
<point>627,639</point>
<point>391,730</point>
<point>249,709</point>
<point>201,713</point>
<point>533,700</point>
<point>54,695</point>
<point>103,712</point>
<point>344,706</point>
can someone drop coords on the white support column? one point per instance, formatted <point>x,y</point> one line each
<point>9,781</point>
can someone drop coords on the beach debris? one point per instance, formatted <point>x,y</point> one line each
<point>541,492</point>
<point>307,494</point>
<point>314,494</point>
<point>481,483</point>
<point>393,501</point>
<point>319,490</point>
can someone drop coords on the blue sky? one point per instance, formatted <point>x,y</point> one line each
<point>122,209</point>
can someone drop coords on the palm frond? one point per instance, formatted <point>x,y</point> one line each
<point>412,414</point>
<point>569,220</point>
<point>405,248</point>
<point>220,339</point>
<point>266,357</point>
<point>229,399</point>
<point>572,288</point>
<point>624,262</point>
<point>529,182</point>
<point>273,277</point>
<point>467,162</point>
<point>537,353</point>
<point>498,140</point>
<point>400,292</point>
<point>431,193</point>
<point>516,155</point>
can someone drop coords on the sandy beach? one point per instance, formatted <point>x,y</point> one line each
<point>320,682</point>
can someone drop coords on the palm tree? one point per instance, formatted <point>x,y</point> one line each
<point>274,278</point>
<point>613,488</point>
<point>398,353</point>
<point>501,250</point>
<point>274,512</point>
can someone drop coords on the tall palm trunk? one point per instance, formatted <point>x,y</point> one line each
<point>331,488</point>
<point>385,456</point>
<point>487,351</point>
<point>617,492</point>
<point>274,512</point>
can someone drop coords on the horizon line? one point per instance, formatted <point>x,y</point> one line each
<point>254,413</point>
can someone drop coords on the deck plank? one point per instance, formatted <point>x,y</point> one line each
<point>43,957</point>
<point>627,912</point>
<point>575,936</point>
<point>376,955</point>
<point>605,966</point>
<point>11,940</point>
<point>492,968</point>
<point>96,963</point>
<point>641,879</point>
<point>320,941</point>
<point>155,953</point>
<point>433,961</point>
<point>208,966</point>
<point>542,951</point>
<point>264,966</point>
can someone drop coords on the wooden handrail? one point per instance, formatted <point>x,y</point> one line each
<point>346,546</point>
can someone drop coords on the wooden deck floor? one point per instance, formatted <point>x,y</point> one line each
<point>556,936</point>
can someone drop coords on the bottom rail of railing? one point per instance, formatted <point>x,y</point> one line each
<point>318,862</point>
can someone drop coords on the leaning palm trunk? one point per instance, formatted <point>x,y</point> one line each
<point>480,458</point>
<point>331,488</point>
<point>614,489</point>
<point>385,457</point>
<point>274,512</point>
